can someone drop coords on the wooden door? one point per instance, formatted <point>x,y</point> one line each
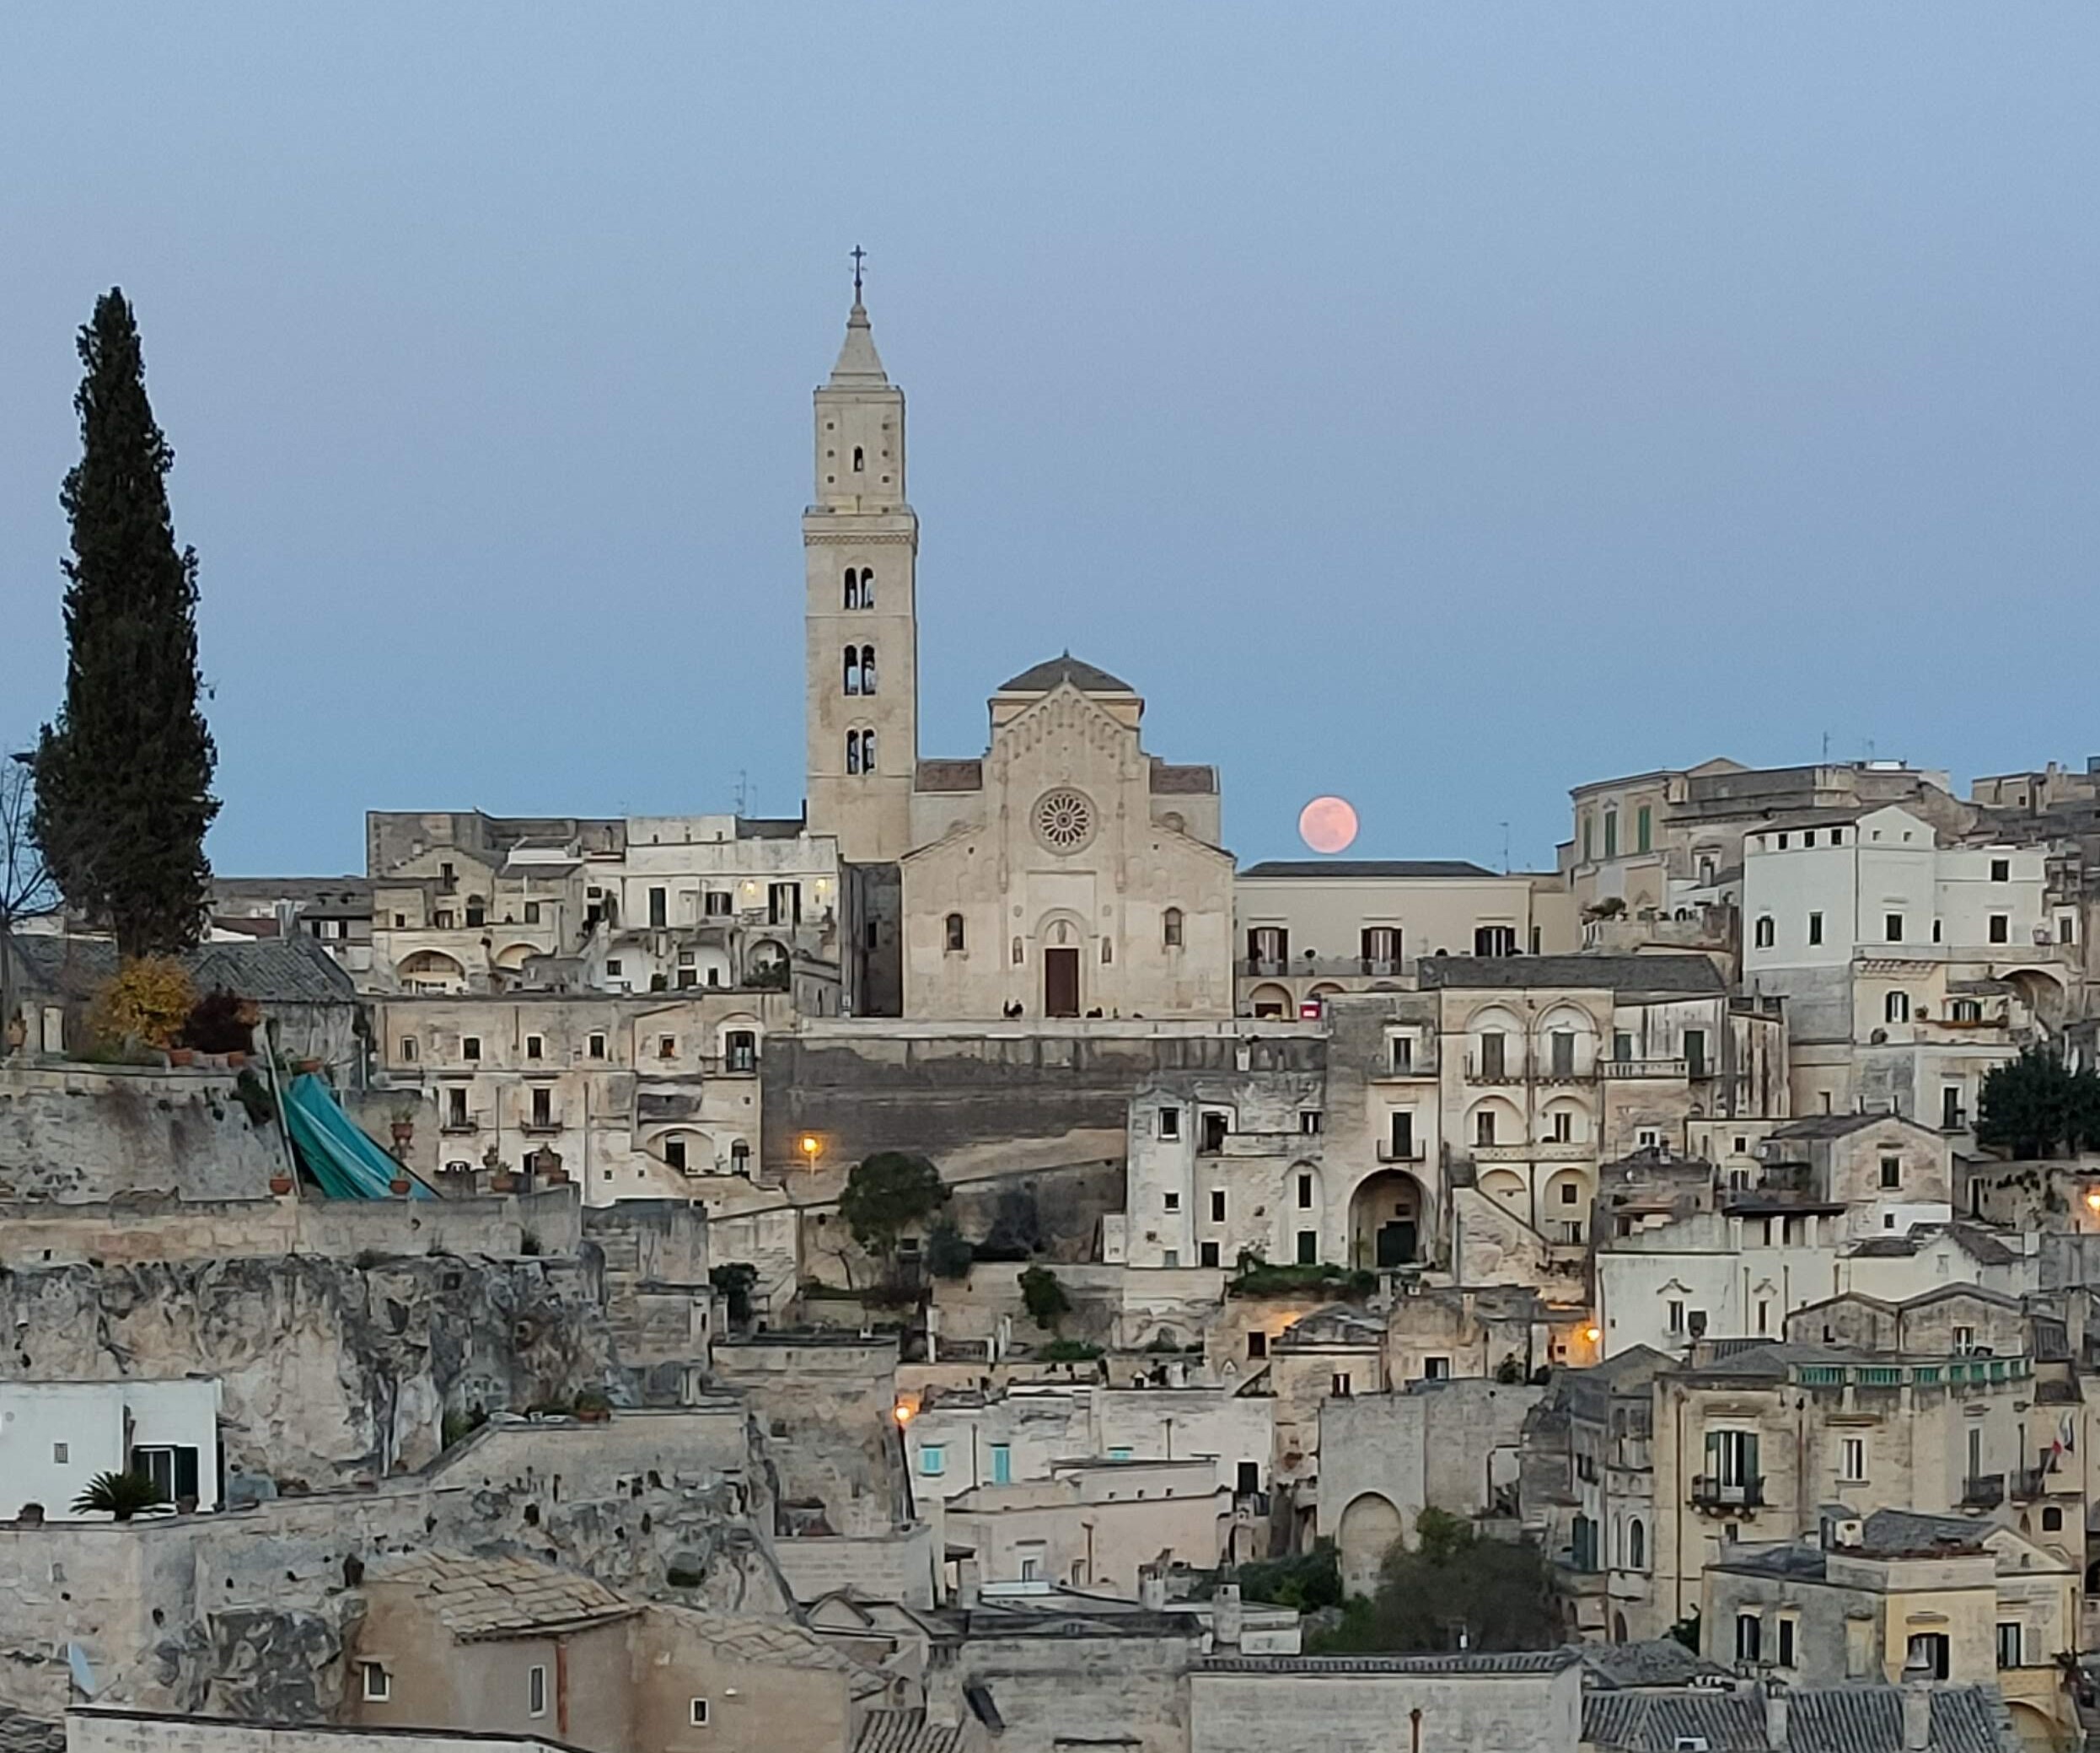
<point>1060,982</point>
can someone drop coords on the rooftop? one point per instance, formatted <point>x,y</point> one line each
<point>478,1598</point>
<point>1367,868</point>
<point>1685,974</point>
<point>1516,1661</point>
<point>1041,678</point>
<point>1854,1718</point>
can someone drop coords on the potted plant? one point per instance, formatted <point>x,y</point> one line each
<point>593,1408</point>
<point>501,1179</point>
<point>403,1125</point>
<point>309,1067</point>
<point>549,1169</point>
<point>182,1056</point>
<point>281,1184</point>
<point>400,1185</point>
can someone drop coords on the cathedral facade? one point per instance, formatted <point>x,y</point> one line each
<point>1066,872</point>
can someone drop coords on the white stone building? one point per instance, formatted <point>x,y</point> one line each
<point>55,1437</point>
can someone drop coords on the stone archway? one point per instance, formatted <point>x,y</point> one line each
<point>1369,1529</point>
<point>1387,1220</point>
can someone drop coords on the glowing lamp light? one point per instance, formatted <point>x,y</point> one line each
<point>1592,1333</point>
<point>902,1412</point>
<point>2092,1200</point>
<point>809,1146</point>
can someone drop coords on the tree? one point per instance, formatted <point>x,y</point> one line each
<point>121,1495</point>
<point>123,778</point>
<point>886,1195</point>
<point>735,1279</point>
<point>1043,1297</point>
<point>948,1254</point>
<point>2036,1105</point>
<point>1454,1590</point>
<point>26,885</point>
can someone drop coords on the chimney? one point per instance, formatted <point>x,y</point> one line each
<point>1226,1621</point>
<point>1775,1716</point>
<point>1917,1716</point>
<point>966,1576</point>
<point>1151,1588</point>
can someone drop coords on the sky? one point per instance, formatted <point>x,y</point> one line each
<point>1441,405</point>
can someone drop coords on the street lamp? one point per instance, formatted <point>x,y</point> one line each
<point>811,1147</point>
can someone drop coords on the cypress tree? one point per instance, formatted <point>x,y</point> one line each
<point>123,779</point>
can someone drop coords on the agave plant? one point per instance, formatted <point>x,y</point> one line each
<point>121,1495</point>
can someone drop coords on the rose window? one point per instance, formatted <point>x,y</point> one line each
<point>1064,820</point>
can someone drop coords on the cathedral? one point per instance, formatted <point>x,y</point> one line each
<point>1065,872</point>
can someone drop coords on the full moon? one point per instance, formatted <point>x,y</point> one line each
<point>1328,825</point>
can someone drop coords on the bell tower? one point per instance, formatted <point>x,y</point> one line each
<point>860,548</point>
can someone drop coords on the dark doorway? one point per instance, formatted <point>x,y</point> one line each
<point>1060,982</point>
<point>1396,1242</point>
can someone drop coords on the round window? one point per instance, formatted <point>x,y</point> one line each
<point>1064,820</point>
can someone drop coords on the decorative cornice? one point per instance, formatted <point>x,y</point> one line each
<point>858,538</point>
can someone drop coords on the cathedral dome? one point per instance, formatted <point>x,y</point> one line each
<point>1043,677</point>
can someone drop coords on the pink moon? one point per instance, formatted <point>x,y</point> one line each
<point>1328,825</point>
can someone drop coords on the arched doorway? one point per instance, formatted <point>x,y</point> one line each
<point>1370,1527</point>
<point>1270,1001</point>
<point>1386,1216</point>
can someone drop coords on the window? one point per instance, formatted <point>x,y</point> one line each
<point>717,904</point>
<point>696,1713</point>
<point>1170,1202</point>
<point>1380,944</point>
<point>1206,1253</point>
<point>2008,1643</point>
<point>1570,1192</point>
<point>1561,1046</point>
<point>1494,940</point>
<point>1852,1460</point>
<point>614,965</point>
<point>536,1691</point>
<point>535,1047</point>
<point>860,460</point>
<point>1305,1192</point>
<point>2052,1520</point>
<point>1563,1125</point>
<point>379,1684</point>
<point>2000,931</point>
<point>1001,1464</point>
<point>739,1157</point>
<point>1647,1138</point>
<point>1492,1053</point>
<point>1309,1247</point>
<point>1637,1545</point>
<point>1677,1317</point>
<point>1611,833</point>
<point>1815,927</point>
<point>1031,1555</point>
<point>1896,1008</point>
<point>456,1105</point>
<point>1170,1122</point>
<point>853,751</point>
<point>1402,1048</point>
<point>1170,1257</point>
<point>470,1047</point>
<point>1749,1637</point>
<point>1257,1343</point>
<point>2002,870</point>
<point>868,587</point>
<point>1170,927</point>
<point>1437,1369</point>
<point>1217,1204</point>
<point>1310,1120</point>
<point>1892,1173</point>
<point>594,1048</point>
<point>1766,932</point>
<point>408,1050</point>
<point>1643,826</point>
<point>954,933</point>
<point>932,1459</point>
<point>852,592</point>
<point>1341,1385</point>
<point>868,668</point>
<point>1695,1052</point>
<point>1589,848</point>
<point>667,1047</point>
<point>1622,1045</point>
<point>1484,1126</point>
<point>1927,1655</point>
<point>1786,1642</point>
<point>542,1107</point>
<point>740,1050</point>
<point>1964,1343</point>
<point>674,1153</point>
<point>1891,928</point>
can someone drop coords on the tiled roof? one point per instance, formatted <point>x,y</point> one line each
<point>1820,1719</point>
<point>1689,974</point>
<point>479,1598</point>
<point>1661,1722</point>
<point>1888,1533</point>
<point>1836,1125</point>
<point>1652,1662</point>
<point>1366,868</point>
<point>906,1731</point>
<point>1041,678</point>
<point>293,970</point>
<point>1515,1661</point>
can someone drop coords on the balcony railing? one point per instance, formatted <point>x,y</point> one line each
<point>540,1127</point>
<point>1321,967</point>
<point>1657,1069</point>
<point>1986,1491</point>
<point>2029,1483</point>
<point>1407,1150</point>
<point>1478,1070</point>
<point>459,1128</point>
<point>1709,1493</point>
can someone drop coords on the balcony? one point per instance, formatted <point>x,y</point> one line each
<point>1480,1070</point>
<point>2029,1483</point>
<point>1320,967</point>
<point>1404,1150</point>
<point>1671,1069</point>
<point>540,1126</point>
<point>1986,1491</point>
<point>1709,1493</point>
<point>459,1127</point>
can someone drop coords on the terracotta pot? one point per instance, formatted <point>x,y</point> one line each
<point>182,1056</point>
<point>503,1183</point>
<point>398,1186</point>
<point>593,1415</point>
<point>555,1177</point>
<point>309,1067</point>
<point>236,1060</point>
<point>280,1185</point>
<point>403,1131</point>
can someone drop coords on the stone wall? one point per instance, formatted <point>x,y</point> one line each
<point>1369,1705</point>
<point>822,1405</point>
<point>1059,1690</point>
<point>91,1730</point>
<point>83,1132</point>
<point>899,1566</point>
<point>331,1370</point>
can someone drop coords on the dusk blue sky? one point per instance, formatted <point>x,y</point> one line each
<point>1442,405</point>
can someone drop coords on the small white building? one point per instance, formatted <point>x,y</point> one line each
<point>56,1436</point>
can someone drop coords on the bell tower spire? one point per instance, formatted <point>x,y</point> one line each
<point>861,549</point>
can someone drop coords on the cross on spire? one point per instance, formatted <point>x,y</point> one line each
<point>860,255</point>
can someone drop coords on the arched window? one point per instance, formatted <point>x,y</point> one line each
<point>852,670</point>
<point>860,460</point>
<point>868,752</point>
<point>852,588</point>
<point>1020,954</point>
<point>1108,951</point>
<point>955,931</point>
<point>1636,1546</point>
<point>1484,1126</point>
<point>867,669</point>
<point>1170,928</point>
<point>1766,932</point>
<point>868,587</point>
<point>1896,1008</point>
<point>853,751</point>
<point>739,1157</point>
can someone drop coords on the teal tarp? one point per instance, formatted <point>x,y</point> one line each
<point>337,1152</point>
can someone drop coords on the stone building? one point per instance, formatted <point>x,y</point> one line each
<point>1093,1523</point>
<point>1308,929</point>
